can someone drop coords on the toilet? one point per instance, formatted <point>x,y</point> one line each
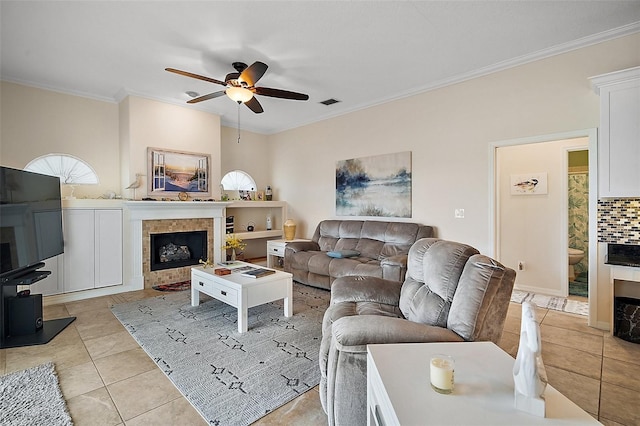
<point>575,256</point>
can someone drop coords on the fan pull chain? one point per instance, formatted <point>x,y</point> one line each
<point>238,122</point>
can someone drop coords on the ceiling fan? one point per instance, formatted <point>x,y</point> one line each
<point>241,86</point>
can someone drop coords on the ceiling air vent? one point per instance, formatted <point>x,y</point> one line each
<point>330,102</point>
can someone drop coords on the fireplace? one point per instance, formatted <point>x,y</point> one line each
<point>156,217</point>
<point>177,249</point>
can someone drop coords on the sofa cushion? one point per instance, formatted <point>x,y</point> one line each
<point>354,266</point>
<point>319,263</point>
<point>370,248</point>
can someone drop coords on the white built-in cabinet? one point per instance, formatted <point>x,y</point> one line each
<point>619,134</point>
<point>92,248</point>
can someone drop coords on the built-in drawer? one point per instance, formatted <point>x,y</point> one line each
<point>223,293</point>
<point>217,290</point>
<point>276,250</point>
<point>202,284</point>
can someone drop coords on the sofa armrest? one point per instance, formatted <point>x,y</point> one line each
<point>394,268</point>
<point>297,246</point>
<point>365,289</point>
<point>354,333</point>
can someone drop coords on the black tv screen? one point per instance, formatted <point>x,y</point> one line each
<point>30,220</point>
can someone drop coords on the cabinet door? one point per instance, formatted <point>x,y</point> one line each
<point>620,141</point>
<point>108,249</point>
<point>79,249</point>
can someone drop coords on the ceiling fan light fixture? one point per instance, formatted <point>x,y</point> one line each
<point>239,94</point>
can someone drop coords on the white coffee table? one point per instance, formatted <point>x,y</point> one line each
<point>399,393</point>
<point>242,292</point>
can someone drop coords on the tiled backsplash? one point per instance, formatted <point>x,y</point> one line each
<point>619,220</point>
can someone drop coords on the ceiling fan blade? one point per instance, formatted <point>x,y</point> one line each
<point>192,75</point>
<point>254,105</point>
<point>278,93</point>
<point>206,97</point>
<point>253,73</point>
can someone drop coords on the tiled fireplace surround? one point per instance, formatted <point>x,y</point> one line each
<point>173,275</point>
<point>146,217</point>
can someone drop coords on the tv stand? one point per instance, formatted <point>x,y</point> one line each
<point>50,328</point>
<point>28,278</point>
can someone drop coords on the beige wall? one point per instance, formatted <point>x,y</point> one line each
<point>160,125</point>
<point>449,132</point>
<point>530,227</point>
<point>112,138</point>
<point>250,155</point>
<point>35,122</point>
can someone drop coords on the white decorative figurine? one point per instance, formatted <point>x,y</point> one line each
<point>529,374</point>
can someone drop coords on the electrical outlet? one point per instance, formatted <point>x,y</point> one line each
<point>458,213</point>
<point>521,265</point>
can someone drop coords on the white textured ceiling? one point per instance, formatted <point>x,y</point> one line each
<point>360,52</point>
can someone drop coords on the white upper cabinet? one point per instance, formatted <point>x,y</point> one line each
<point>619,135</point>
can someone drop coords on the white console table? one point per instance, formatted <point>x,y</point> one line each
<point>399,393</point>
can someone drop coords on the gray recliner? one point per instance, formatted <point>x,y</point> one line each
<point>451,293</point>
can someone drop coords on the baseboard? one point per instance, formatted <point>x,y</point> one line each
<point>538,290</point>
<point>601,325</point>
<point>86,294</point>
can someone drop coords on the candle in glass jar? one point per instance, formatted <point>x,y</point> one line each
<point>441,370</point>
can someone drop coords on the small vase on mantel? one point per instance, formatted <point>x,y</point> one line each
<point>289,230</point>
<point>233,255</point>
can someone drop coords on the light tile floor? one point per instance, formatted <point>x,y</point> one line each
<point>107,379</point>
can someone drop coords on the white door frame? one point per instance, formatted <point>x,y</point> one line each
<point>592,135</point>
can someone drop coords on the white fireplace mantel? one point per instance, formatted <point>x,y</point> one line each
<point>138,211</point>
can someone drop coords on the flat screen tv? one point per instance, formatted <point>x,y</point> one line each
<point>30,221</point>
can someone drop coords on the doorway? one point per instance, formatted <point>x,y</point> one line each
<point>578,223</point>
<point>543,244</point>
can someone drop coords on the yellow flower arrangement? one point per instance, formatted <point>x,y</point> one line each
<point>234,242</point>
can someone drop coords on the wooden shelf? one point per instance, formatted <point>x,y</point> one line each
<point>257,204</point>
<point>259,234</point>
<point>255,213</point>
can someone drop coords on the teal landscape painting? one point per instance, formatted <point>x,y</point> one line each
<point>374,186</point>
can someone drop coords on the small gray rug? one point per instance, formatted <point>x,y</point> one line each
<point>231,378</point>
<point>33,397</point>
<point>549,302</point>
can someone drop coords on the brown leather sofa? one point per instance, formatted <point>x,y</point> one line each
<point>377,249</point>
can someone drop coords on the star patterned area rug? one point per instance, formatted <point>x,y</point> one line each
<point>231,378</point>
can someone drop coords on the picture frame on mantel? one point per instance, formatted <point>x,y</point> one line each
<point>174,172</point>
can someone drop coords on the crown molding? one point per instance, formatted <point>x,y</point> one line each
<point>601,37</point>
<point>612,78</point>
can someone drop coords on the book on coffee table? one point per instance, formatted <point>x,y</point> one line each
<point>257,272</point>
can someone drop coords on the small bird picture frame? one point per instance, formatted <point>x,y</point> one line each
<point>529,184</point>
